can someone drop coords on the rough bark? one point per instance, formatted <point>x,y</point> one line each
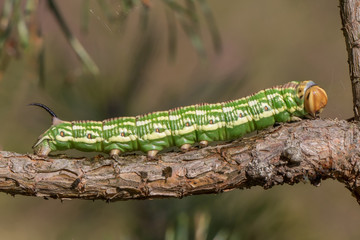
<point>291,153</point>
<point>350,17</point>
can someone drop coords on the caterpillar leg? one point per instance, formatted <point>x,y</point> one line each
<point>295,119</point>
<point>204,143</point>
<point>151,154</point>
<point>185,147</point>
<point>114,153</point>
<point>42,149</point>
<point>43,152</point>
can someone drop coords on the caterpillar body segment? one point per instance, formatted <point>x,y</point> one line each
<point>185,126</point>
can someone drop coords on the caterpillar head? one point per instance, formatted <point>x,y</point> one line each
<point>315,98</point>
<point>56,137</point>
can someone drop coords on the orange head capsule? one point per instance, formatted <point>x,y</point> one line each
<point>314,97</point>
<point>315,100</point>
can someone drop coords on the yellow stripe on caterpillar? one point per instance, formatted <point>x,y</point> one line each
<point>88,140</point>
<point>156,135</point>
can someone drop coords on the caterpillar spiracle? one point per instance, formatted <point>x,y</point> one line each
<point>184,126</point>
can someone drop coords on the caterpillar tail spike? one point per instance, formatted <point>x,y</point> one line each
<point>55,119</point>
<point>51,112</point>
<point>184,126</point>
<point>43,148</point>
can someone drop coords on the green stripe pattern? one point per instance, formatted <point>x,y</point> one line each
<point>184,125</point>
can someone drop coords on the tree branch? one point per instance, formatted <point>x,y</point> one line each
<point>291,153</point>
<point>350,19</point>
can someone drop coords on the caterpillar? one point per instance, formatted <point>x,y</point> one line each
<point>184,126</point>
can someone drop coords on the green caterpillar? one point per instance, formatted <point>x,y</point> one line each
<point>184,126</point>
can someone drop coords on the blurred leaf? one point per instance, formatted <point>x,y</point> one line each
<point>18,19</point>
<point>85,15</point>
<point>144,17</point>
<point>5,27</point>
<point>223,235</point>
<point>128,5</point>
<point>202,222</point>
<point>80,51</point>
<point>170,233</point>
<point>4,37</point>
<point>105,9</point>
<point>6,13</point>
<point>187,16</point>
<point>30,7</point>
<point>192,11</point>
<point>189,22</point>
<point>18,26</point>
<point>23,31</point>
<point>182,227</point>
<point>41,60</point>
<point>171,34</point>
<point>198,230</point>
<point>210,20</point>
<point>177,8</point>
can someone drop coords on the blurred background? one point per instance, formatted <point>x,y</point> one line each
<point>147,57</point>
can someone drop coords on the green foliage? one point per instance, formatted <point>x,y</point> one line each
<point>16,29</point>
<point>183,12</point>
<point>20,29</point>
<point>227,216</point>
